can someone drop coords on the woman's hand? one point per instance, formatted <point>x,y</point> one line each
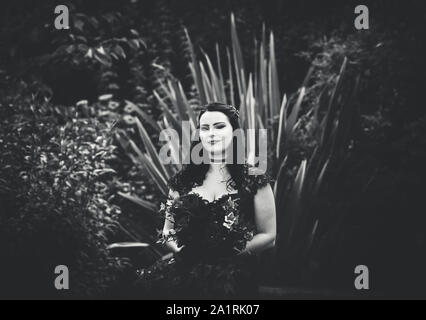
<point>241,252</point>
<point>178,249</point>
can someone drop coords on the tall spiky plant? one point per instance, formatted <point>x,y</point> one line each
<point>262,105</point>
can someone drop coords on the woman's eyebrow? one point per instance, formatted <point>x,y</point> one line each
<point>213,123</point>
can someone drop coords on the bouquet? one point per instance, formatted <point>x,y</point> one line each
<point>206,231</point>
<point>208,265</point>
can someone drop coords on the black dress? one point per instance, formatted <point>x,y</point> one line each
<point>208,266</point>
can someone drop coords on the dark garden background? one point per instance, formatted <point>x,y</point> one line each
<point>81,111</point>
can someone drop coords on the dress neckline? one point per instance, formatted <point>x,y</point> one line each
<point>224,196</point>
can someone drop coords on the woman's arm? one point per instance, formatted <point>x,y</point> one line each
<point>168,223</point>
<point>265,218</point>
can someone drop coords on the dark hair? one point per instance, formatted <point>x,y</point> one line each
<point>192,173</point>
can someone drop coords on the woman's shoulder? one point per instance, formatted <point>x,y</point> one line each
<point>256,178</point>
<point>178,182</point>
<point>175,182</point>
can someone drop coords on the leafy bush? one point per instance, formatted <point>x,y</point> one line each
<point>56,189</point>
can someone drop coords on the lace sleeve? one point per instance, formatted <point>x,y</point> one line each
<point>175,182</point>
<point>166,208</point>
<point>256,180</point>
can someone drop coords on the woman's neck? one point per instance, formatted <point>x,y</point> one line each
<point>217,167</point>
<point>218,163</point>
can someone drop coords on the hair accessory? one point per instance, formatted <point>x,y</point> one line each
<point>235,111</point>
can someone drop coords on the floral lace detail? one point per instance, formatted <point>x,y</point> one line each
<point>208,265</point>
<point>202,225</point>
<point>166,213</point>
<point>175,182</point>
<point>255,179</point>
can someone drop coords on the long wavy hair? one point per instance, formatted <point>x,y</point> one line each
<point>195,173</point>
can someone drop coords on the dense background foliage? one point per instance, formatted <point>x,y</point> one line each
<point>66,94</point>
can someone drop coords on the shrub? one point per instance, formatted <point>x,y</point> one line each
<point>55,195</point>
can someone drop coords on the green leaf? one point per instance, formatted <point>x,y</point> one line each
<point>196,70</point>
<point>151,148</point>
<point>143,203</point>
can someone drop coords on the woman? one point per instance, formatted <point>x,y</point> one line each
<point>219,216</point>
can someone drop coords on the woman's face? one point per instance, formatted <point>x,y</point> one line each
<point>215,132</point>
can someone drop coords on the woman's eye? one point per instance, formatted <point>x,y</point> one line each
<point>217,127</point>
